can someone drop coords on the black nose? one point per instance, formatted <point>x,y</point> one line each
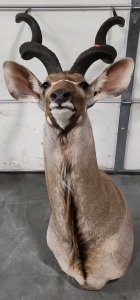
<point>61,96</point>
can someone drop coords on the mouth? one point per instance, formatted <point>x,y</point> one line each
<point>63,106</point>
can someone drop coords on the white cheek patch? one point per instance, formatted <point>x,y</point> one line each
<point>79,120</point>
<point>49,120</point>
<point>62,116</point>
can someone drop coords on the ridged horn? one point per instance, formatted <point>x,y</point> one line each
<point>36,32</point>
<point>35,48</point>
<point>103,30</point>
<point>101,51</point>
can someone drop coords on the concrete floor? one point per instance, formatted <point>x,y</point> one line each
<point>28,269</point>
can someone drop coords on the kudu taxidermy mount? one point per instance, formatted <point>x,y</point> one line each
<point>90,230</point>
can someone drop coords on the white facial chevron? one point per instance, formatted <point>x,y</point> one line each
<point>53,83</point>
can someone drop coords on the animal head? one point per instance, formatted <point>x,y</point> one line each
<point>65,96</point>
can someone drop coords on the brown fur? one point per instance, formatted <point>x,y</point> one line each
<point>70,206</point>
<point>90,230</point>
<point>79,249</point>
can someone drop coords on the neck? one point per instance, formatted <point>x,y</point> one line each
<point>78,142</point>
<point>76,150</point>
<point>72,178</point>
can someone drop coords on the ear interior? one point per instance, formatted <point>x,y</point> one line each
<point>118,77</point>
<point>21,83</point>
<point>113,81</point>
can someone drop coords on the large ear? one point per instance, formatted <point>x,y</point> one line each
<point>113,81</point>
<point>22,84</point>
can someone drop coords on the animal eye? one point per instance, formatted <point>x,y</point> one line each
<point>84,85</point>
<point>45,85</point>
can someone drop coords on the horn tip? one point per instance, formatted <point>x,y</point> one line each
<point>27,10</point>
<point>114,11</point>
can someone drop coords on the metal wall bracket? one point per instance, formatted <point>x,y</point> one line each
<point>135,15</point>
<point>135,3</point>
<point>126,99</point>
